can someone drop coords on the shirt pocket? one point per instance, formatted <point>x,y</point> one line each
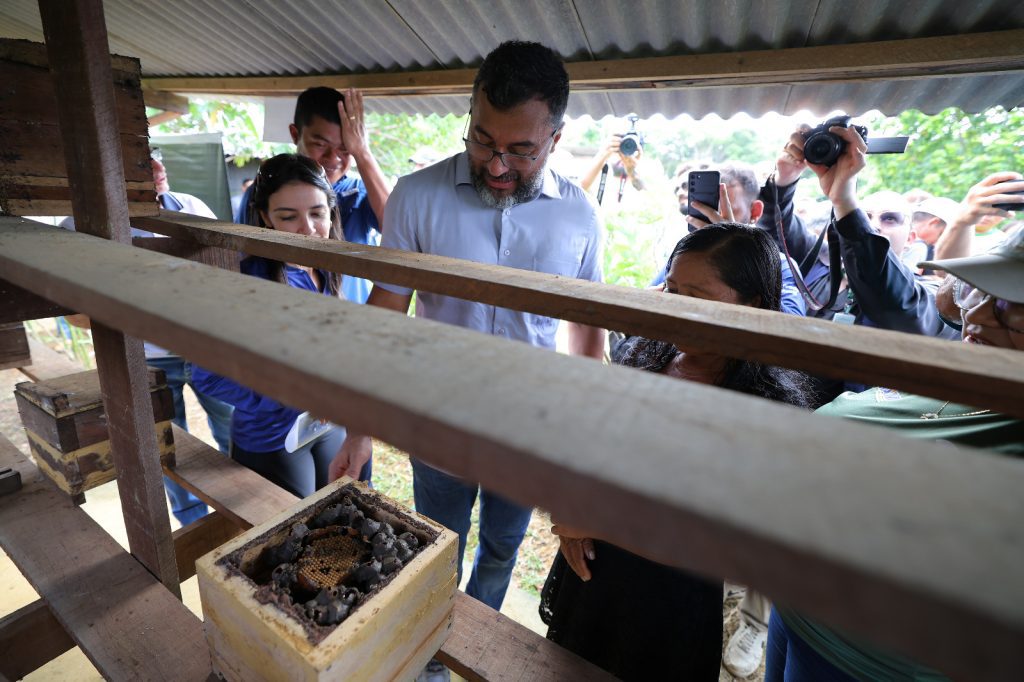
<point>556,266</point>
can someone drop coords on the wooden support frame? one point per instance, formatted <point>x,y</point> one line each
<point>33,169</point>
<point>31,636</point>
<point>991,378</point>
<point>975,53</point>
<point>482,645</point>
<point>127,623</point>
<point>692,474</point>
<point>76,43</point>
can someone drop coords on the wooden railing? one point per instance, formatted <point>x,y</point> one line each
<point>851,524</point>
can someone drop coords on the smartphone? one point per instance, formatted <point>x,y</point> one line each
<point>703,187</point>
<point>1012,206</point>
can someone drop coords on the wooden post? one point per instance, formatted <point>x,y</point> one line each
<point>76,43</point>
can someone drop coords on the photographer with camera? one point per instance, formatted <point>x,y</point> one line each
<point>629,147</point>
<point>872,286</point>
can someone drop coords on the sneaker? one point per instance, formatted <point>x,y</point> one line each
<point>434,672</point>
<point>745,650</point>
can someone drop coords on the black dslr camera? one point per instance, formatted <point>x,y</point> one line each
<point>632,141</point>
<point>824,148</point>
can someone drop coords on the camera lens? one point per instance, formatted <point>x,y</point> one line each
<point>823,149</point>
<point>628,146</point>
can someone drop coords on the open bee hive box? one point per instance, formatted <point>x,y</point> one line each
<point>325,591</point>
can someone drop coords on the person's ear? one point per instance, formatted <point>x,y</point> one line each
<point>756,210</point>
<point>265,219</point>
<point>911,236</point>
<point>294,131</point>
<point>554,140</point>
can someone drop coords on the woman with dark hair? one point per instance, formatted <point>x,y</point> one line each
<point>290,194</point>
<point>634,617</point>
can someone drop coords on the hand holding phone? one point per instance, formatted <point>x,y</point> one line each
<point>702,187</point>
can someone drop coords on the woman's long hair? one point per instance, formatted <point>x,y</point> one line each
<point>274,174</point>
<point>747,260</point>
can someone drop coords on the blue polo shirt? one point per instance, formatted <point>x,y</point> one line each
<point>437,210</point>
<point>358,223</point>
<point>259,423</point>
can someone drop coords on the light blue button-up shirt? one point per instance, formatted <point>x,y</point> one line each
<point>437,211</point>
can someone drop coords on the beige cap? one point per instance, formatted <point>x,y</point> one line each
<point>999,272</point>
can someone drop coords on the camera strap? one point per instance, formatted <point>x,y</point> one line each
<point>604,179</point>
<point>799,273</point>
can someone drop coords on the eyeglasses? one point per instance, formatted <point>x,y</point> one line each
<point>967,297</point>
<point>518,162</point>
<point>892,218</point>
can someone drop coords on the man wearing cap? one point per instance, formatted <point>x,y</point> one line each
<point>988,297</point>
<point>930,218</point>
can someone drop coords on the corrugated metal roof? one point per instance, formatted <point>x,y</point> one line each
<point>301,37</point>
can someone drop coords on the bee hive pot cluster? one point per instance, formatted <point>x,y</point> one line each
<point>346,585</point>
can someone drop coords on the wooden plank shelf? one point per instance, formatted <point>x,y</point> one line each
<point>991,378</point>
<point>721,498</point>
<point>128,624</point>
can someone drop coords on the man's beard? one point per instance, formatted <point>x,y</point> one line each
<point>525,190</point>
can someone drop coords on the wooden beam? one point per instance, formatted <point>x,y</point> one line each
<point>993,378</point>
<point>821,514</point>
<point>19,305</point>
<point>33,164</point>
<point>201,537</point>
<point>974,53</point>
<point>162,117</point>
<point>226,259</point>
<point>76,43</point>
<point>31,637</point>
<point>126,622</point>
<point>486,645</point>
<point>14,350</point>
<point>165,101</point>
<point>223,484</point>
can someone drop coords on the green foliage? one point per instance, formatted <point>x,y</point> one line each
<point>240,123</point>
<point>394,138</point>
<point>630,241</point>
<point>677,143</point>
<point>948,152</point>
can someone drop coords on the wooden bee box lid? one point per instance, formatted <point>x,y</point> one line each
<point>74,393</point>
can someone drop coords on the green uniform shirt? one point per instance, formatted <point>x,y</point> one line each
<point>915,417</point>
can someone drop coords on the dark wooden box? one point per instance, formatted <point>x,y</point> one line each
<point>67,427</point>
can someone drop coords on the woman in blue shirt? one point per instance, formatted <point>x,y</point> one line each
<point>291,194</point>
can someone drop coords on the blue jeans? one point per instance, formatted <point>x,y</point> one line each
<point>185,506</point>
<point>449,501</point>
<point>791,659</point>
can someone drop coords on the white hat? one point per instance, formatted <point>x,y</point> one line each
<point>999,272</point>
<point>942,208</point>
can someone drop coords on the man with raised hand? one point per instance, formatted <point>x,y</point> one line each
<point>329,128</point>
